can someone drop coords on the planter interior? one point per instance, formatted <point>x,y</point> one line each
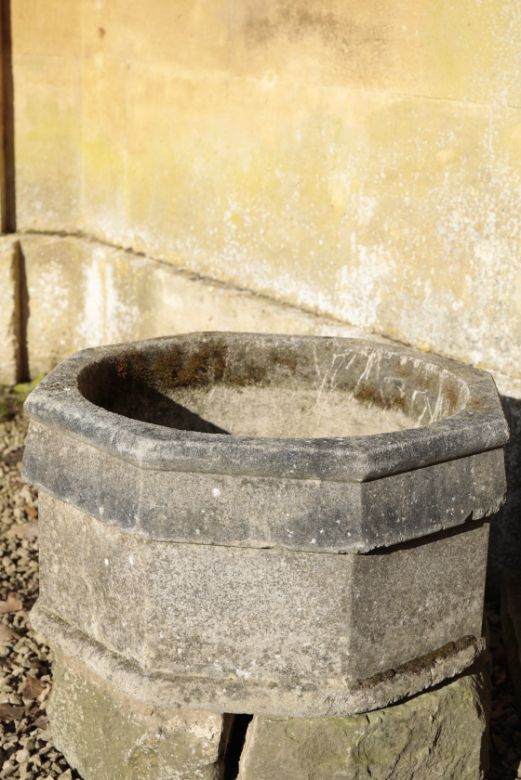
<point>278,389</point>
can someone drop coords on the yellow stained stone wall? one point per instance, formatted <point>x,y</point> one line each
<point>359,159</point>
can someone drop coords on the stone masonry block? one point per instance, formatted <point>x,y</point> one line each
<point>107,736</point>
<point>438,735</point>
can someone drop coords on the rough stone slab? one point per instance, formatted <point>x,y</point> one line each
<point>261,630</point>
<point>9,310</point>
<point>439,735</point>
<point>106,735</point>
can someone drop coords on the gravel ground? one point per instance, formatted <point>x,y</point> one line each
<point>26,749</point>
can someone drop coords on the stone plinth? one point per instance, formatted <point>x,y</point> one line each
<point>108,736</point>
<point>439,735</point>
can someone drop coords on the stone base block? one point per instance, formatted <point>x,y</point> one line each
<point>108,736</point>
<point>439,735</point>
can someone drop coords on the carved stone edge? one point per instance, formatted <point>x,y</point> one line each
<point>233,696</point>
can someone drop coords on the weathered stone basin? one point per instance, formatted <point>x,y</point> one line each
<point>292,526</point>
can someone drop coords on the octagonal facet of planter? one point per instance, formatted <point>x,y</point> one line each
<point>265,524</point>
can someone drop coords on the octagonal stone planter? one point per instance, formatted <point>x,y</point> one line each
<point>290,526</point>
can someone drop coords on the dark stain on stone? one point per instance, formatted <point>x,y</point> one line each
<point>296,21</point>
<point>475,404</point>
<point>204,365</point>
<point>421,663</point>
<point>266,368</point>
<point>451,395</point>
<point>283,359</point>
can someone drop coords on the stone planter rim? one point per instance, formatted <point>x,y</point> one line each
<point>478,427</point>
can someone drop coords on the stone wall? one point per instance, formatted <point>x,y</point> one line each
<point>292,165</point>
<point>82,293</point>
<point>361,160</point>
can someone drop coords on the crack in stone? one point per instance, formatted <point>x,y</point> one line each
<point>22,324</point>
<point>235,728</point>
<point>8,217</point>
